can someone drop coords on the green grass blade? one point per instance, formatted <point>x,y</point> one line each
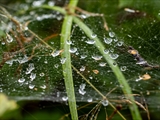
<point>67,70</point>
<point>125,87</point>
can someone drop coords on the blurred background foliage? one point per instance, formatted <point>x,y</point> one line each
<point>37,84</point>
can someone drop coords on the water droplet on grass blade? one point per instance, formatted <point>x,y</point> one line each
<point>93,35</point>
<point>106,51</point>
<point>63,60</point>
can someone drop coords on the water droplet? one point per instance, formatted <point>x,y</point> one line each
<point>123,68</point>
<point>21,80</point>
<point>97,57</point>
<point>115,40</point>
<point>23,60</point>
<point>90,100</point>
<point>114,64</point>
<point>56,65</point>
<point>82,86</point>
<point>69,42</point>
<point>3,43</point>
<point>73,50</point>
<point>41,74</point>
<point>111,34</point>
<point>30,68</point>
<point>114,56</point>
<point>83,16</point>
<point>82,92</point>
<point>63,60</point>
<point>83,56</point>
<point>82,68</point>
<point>90,42</point>
<point>43,87</point>
<point>64,98</point>
<point>93,35</point>
<point>45,61</point>
<point>31,86</point>
<point>32,76</point>
<point>51,3</point>
<point>104,102</point>
<point>106,51</point>
<point>120,43</point>
<point>107,40</point>
<point>9,38</point>
<point>81,89</point>
<point>102,64</point>
<point>56,53</point>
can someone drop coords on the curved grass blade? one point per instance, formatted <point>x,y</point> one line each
<point>125,87</point>
<point>67,70</point>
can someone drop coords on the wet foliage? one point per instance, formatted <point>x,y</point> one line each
<point>31,67</point>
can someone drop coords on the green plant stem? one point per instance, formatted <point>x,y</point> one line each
<point>124,85</point>
<point>67,70</point>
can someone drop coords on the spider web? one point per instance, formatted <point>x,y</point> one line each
<point>41,76</point>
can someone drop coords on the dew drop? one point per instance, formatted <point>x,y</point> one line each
<point>111,34</point>
<point>83,56</point>
<point>56,65</point>
<point>90,42</point>
<point>114,64</point>
<point>3,43</point>
<point>102,64</point>
<point>32,76</point>
<point>56,53</point>
<point>97,57</point>
<point>73,50</point>
<point>93,35</point>
<point>104,102</point>
<point>106,51</point>
<point>90,100</point>
<point>69,42</point>
<point>82,68</point>
<point>30,68</point>
<point>120,43</point>
<point>123,68</point>
<point>45,61</point>
<point>43,87</point>
<point>107,40</point>
<point>23,60</point>
<point>63,60</point>
<point>31,86</point>
<point>21,80</point>
<point>114,56</point>
<point>9,38</point>
<point>41,74</point>
<point>64,98</point>
<point>82,92</point>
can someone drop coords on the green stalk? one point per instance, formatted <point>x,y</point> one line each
<point>67,70</point>
<point>125,87</point>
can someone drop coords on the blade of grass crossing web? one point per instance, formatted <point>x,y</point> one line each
<point>125,87</point>
<point>67,71</point>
